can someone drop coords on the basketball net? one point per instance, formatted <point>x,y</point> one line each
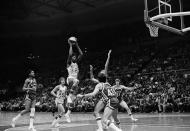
<point>153,30</point>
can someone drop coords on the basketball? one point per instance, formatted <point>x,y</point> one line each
<point>72,40</point>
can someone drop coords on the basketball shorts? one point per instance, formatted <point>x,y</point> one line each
<point>72,80</point>
<point>113,103</point>
<point>30,97</point>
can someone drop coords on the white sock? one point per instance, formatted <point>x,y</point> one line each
<point>31,122</point>
<point>68,113</point>
<point>16,117</point>
<point>57,120</point>
<point>99,123</point>
<point>114,127</point>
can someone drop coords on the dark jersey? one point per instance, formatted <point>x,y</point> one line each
<point>107,92</point>
<point>120,90</point>
<point>31,83</point>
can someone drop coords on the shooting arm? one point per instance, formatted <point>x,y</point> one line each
<point>70,54</point>
<point>80,51</point>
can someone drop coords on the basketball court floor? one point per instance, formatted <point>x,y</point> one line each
<point>86,122</point>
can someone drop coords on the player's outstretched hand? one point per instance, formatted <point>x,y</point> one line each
<point>109,52</point>
<point>80,96</point>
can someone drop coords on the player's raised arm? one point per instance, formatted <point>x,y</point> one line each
<point>92,75</point>
<point>70,53</point>
<point>80,51</point>
<point>53,92</point>
<point>107,62</point>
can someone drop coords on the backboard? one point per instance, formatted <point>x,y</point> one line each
<point>166,14</point>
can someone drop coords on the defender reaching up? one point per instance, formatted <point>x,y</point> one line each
<point>101,83</point>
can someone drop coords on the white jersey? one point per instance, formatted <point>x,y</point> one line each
<point>61,94</point>
<point>73,70</point>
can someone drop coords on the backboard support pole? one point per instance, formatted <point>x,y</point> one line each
<point>181,17</point>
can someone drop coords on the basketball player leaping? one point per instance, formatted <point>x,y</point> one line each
<point>73,70</point>
<point>30,87</point>
<point>59,92</point>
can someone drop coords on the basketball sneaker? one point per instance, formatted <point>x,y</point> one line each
<point>134,119</point>
<point>57,125</point>
<point>31,128</point>
<point>99,129</point>
<point>13,123</point>
<point>68,119</point>
<point>54,123</point>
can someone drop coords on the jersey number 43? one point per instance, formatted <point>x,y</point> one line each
<point>111,92</point>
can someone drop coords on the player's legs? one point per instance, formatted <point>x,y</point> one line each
<point>69,99</point>
<point>126,107</point>
<point>73,83</point>
<point>61,111</point>
<point>115,118</point>
<point>105,118</point>
<point>32,113</point>
<point>69,107</point>
<point>108,112</point>
<point>99,106</point>
<point>26,110</point>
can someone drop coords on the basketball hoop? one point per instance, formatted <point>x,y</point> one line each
<point>161,17</point>
<point>153,30</point>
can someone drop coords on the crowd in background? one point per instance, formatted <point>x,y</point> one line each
<point>161,71</point>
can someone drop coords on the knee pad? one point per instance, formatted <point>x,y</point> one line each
<point>98,118</point>
<point>32,112</point>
